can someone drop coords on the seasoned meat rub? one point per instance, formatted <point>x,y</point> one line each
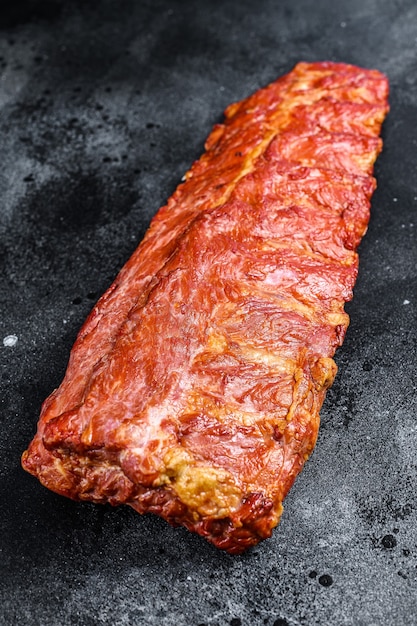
<point>193,389</point>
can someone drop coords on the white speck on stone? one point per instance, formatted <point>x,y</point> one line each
<point>406,302</point>
<point>189,578</point>
<point>395,199</point>
<point>9,341</point>
<point>64,321</point>
<point>342,24</point>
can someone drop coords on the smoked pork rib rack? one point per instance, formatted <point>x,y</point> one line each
<point>193,389</point>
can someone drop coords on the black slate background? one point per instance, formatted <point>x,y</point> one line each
<point>103,107</point>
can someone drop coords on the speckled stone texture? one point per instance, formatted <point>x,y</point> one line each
<point>103,107</point>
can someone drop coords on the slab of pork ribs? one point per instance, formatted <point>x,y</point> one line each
<point>193,389</point>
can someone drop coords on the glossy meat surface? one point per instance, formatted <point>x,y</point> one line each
<point>193,389</point>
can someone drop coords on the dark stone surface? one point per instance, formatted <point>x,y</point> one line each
<point>104,105</point>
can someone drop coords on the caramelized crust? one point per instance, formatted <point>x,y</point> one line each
<point>193,389</point>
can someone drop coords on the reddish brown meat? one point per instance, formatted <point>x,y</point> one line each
<point>193,390</point>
